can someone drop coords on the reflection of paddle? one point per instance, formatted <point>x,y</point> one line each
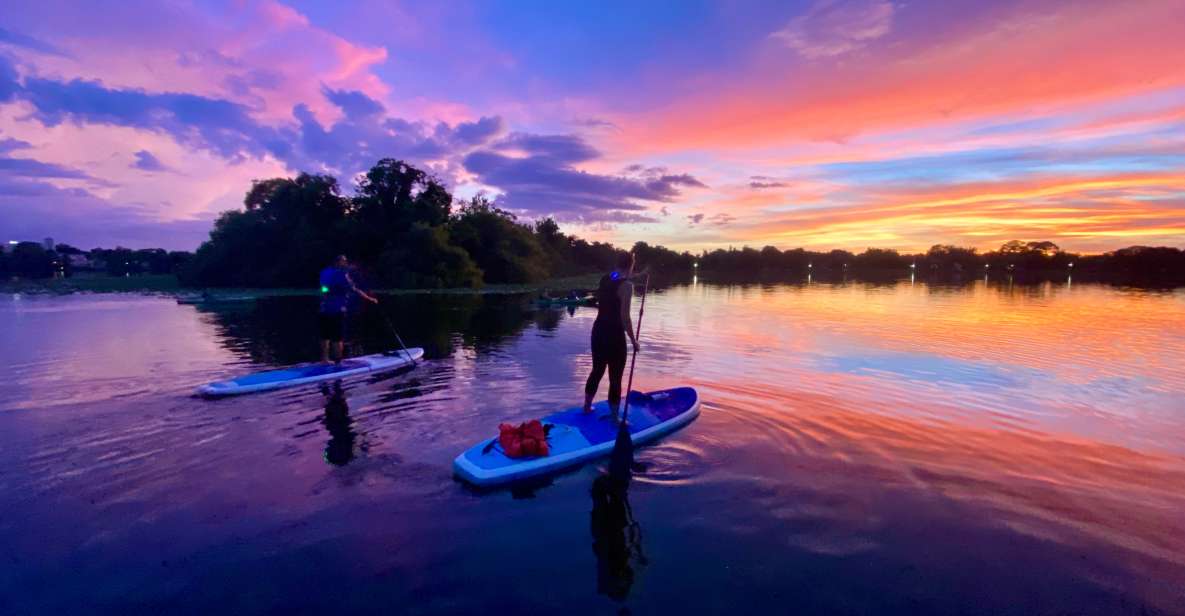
<point>629,387</point>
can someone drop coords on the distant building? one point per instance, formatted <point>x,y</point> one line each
<point>79,261</point>
<point>48,243</point>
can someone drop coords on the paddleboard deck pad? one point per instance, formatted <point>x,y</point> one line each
<point>312,373</point>
<point>576,437</point>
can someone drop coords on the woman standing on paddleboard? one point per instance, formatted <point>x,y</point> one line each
<point>609,332</point>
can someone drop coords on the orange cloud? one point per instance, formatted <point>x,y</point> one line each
<point>1022,61</point>
<point>1133,208</point>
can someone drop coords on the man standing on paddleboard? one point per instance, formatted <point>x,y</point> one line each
<point>609,331</point>
<point>336,286</point>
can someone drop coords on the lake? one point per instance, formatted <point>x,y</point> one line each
<point>900,448</point>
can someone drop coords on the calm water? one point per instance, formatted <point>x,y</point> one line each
<point>899,448</point>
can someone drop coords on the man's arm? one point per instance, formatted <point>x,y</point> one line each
<point>360,292</point>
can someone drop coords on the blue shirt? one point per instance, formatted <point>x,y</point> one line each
<point>335,290</point>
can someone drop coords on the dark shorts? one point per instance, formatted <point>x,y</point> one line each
<point>331,326</point>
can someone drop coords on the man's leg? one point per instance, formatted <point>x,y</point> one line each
<point>324,351</point>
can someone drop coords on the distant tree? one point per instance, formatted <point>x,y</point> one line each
<point>288,230</point>
<point>1047,249</point>
<point>878,259</point>
<point>948,259</point>
<point>30,260</point>
<point>505,250</point>
<point>657,259</point>
<point>424,258</point>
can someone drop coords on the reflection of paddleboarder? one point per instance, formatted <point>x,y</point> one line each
<point>340,448</point>
<point>617,537</point>
<point>336,286</point>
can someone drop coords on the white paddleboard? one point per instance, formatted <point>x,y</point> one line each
<point>311,373</point>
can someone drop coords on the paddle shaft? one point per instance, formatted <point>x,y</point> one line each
<point>634,360</point>
<point>391,327</point>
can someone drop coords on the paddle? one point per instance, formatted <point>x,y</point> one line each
<point>641,311</point>
<point>391,327</point>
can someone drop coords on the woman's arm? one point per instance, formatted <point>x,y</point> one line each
<point>626,293</point>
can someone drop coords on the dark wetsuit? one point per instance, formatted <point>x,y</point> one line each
<point>608,340</point>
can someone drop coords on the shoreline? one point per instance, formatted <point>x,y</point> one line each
<point>167,285</point>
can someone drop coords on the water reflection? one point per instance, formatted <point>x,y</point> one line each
<point>339,450</point>
<point>858,443</point>
<point>281,330</point>
<point>617,536</point>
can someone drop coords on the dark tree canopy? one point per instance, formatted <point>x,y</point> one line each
<point>400,226</point>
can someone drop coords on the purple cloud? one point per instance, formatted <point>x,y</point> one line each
<point>536,173</point>
<point>9,84</point>
<point>198,121</point>
<point>720,219</point>
<point>559,148</point>
<point>145,161</point>
<point>9,144</point>
<point>353,103</point>
<point>33,209</point>
<point>537,176</point>
<point>479,132</point>
<point>28,168</point>
<point>23,40</point>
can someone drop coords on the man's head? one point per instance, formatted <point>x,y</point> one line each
<point>341,261</point>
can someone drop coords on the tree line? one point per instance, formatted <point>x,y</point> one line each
<point>405,230</point>
<point>34,260</point>
<point>401,226</point>
<point>1014,258</point>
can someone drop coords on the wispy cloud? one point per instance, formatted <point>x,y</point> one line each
<point>27,42</point>
<point>833,27</point>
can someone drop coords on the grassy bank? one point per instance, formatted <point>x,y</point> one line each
<point>168,285</point>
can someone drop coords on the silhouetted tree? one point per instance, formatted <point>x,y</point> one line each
<point>506,251</point>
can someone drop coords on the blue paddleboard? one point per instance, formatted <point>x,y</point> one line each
<point>576,437</point>
<point>311,373</point>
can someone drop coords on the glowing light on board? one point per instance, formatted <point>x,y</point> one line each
<point>324,289</point>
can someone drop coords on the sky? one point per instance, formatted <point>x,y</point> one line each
<point>696,125</point>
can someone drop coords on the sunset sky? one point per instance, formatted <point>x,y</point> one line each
<point>822,124</point>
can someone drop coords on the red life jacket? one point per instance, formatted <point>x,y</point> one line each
<point>527,440</point>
